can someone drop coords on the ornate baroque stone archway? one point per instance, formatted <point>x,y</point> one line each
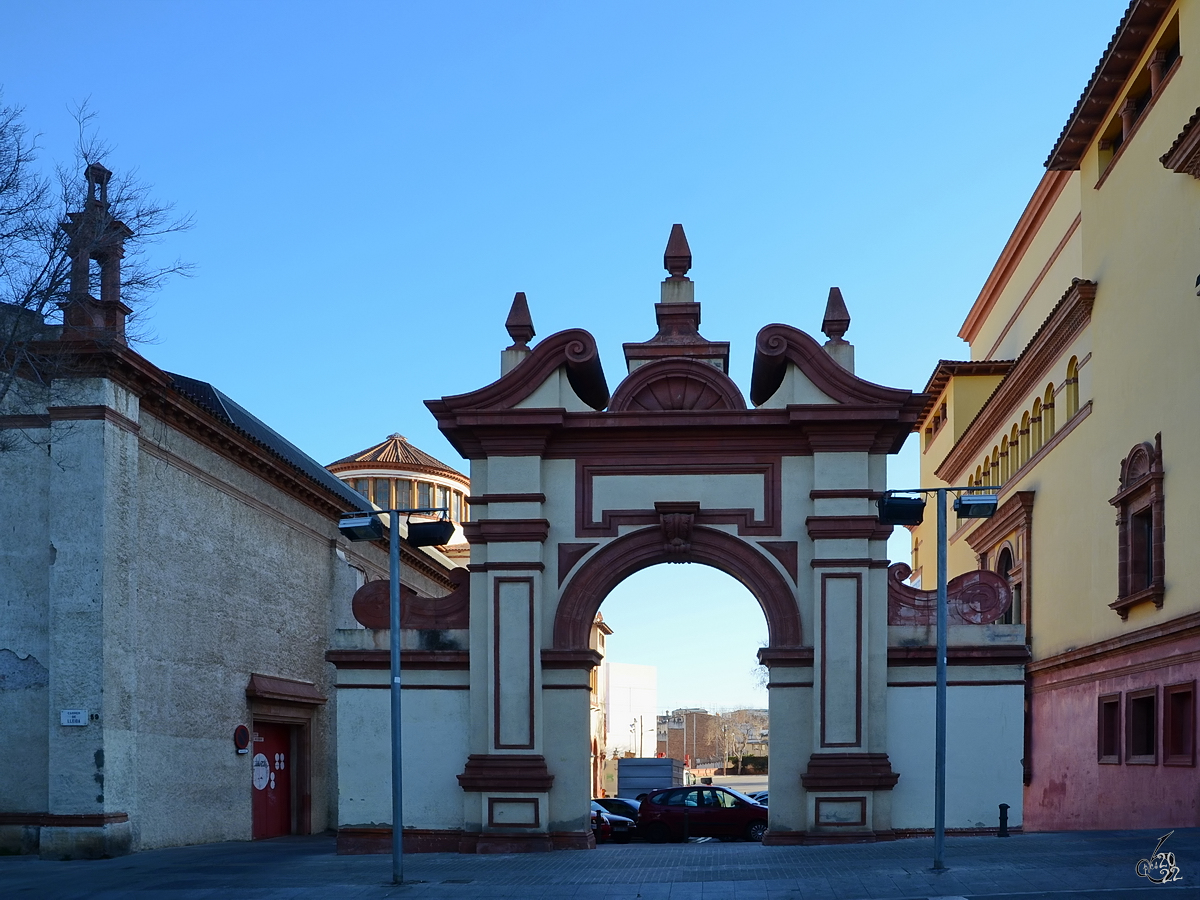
<point>573,491</point>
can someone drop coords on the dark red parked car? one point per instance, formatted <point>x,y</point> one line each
<point>675,814</point>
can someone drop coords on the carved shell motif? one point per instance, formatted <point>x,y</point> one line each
<point>677,385</point>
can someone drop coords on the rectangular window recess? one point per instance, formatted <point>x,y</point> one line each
<point>1179,724</point>
<point>1141,727</point>
<point>1108,730</point>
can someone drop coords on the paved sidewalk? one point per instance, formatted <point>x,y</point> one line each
<point>1074,866</point>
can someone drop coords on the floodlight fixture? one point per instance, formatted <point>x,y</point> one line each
<point>361,527</point>
<point>898,510</point>
<point>430,534</point>
<point>976,506</point>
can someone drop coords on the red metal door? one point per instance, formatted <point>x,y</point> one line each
<point>271,769</point>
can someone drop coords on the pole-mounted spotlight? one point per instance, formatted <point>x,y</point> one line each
<point>430,534</point>
<point>975,506</point>
<point>361,527</point>
<point>898,510</point>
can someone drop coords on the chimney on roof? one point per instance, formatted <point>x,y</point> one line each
<point>95,236</point>
<point>835,324</point>
<point>519,325</point>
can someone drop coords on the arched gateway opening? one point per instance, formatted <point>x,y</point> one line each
<point>573,490</point>
<point>592,583</point>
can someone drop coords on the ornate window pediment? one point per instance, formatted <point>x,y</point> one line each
<point>1140,526</point>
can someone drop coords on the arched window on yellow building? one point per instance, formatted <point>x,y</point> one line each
<point>1024,435</point>
<point>1014,450</point>
<point>1048,413</point>
<point>1072,387</point>
<point>978,477</point>
<point>987,471</point>
<point>1005,469</point>
<point>1035,426</point>
<point>995,481</point>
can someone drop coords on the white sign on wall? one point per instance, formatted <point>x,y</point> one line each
<point>74,717</point>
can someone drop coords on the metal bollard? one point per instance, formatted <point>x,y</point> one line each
<point>1003,832</point>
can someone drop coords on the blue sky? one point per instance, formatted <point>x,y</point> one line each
<point>371,182</point>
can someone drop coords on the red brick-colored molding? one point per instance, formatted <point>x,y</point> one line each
<point>676,384</point>
<point>668,463</point>
<point>93,414</point>
<point>856,577</point>
<point>978,655</point>
<point>1036,284</point>
<point>860,562</point>
<point>485,499</point>
<point>1185,626</point>
<point>508,566</point>
<point>527,801</point>
<point>778,345</point>
<point>1184,155</point>
<point>862,811</point>
<point>571,659</point>
<point>506,772</point>
<point>494,531</point>
<point>795,657</point>
<point>574,348</point>
<point>1027,228</point>
<point>573,840</point>
<point>58,820</point>
<point>417,660</point>
<point>568,555</point>
<point>583,594</point>
<point>498,640</point>
<point>1141,489</point>
<point>23,423</point>
<point>843,494</point>
<point>787,552</point>
<point>285,690</point>
<point>832,528</point>
<point>1013,514</point>
<point>849,772</point>
<point>1066,321</point>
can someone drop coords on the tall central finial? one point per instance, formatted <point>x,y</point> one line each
<point>678,258</point>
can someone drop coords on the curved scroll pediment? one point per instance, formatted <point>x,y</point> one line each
<point>778,345</point>
<point>676,384</point>
<point>573,349</point>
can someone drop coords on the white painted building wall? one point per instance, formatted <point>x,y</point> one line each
<point>632,698</point>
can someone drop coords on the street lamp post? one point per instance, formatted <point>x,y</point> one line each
<point>896,510</point>
<point>367,526</point>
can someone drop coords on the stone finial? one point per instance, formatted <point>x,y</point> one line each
<point>519,323</point>
<point>678,258</point>
<point>837,318</point>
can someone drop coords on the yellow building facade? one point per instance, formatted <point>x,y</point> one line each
<point>1078,407</point>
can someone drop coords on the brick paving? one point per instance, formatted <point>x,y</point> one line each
<point>1070,866</point>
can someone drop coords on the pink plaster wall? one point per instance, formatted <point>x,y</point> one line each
<point>1070,790</point>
